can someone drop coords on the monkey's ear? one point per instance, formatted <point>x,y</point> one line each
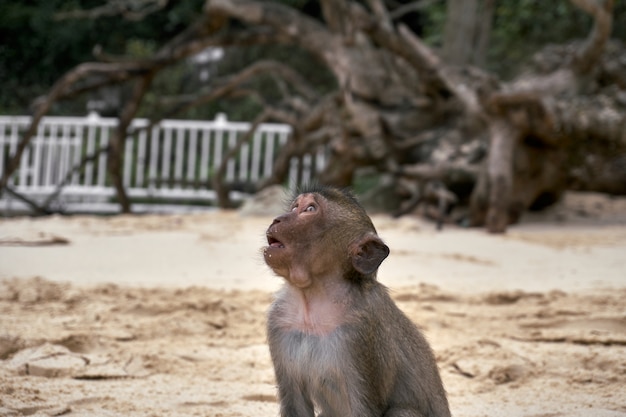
<point>368,253</point>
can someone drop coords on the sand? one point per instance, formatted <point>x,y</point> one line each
<point>164,315</point>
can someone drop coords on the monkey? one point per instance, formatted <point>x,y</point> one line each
<point>339,344</point>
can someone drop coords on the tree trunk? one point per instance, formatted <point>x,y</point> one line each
<point>467,31</point>
<point>458,33</point>
<point>483,33</point>
<point>502,141</point>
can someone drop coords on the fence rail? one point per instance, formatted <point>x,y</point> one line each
<point>164,166</point>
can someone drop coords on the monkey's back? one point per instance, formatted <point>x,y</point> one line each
<point>407,363</point>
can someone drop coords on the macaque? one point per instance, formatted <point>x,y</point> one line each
<point>339,344</point>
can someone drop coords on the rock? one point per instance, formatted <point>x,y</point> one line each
<point>37,411</point>
<point>509,373</point>
<point>51,361</point>
<point>55,366</point>
<point>270,201</point>
<point>44,410</point>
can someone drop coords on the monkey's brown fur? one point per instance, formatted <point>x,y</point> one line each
<point>339,344</point>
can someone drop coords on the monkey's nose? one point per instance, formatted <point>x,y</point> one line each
<point>278,219</point>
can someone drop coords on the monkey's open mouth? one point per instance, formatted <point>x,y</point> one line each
<point>273,242</point>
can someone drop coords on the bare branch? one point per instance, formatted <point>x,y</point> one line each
<point>231,84</point>
<point>57,91</point>
<point>293,26</point>
<point>37,209</point>
<point>219,186</point>
<point>380,12</point>
<point>428,171</point>
<point>118,138</point>
<point>285,72</point>
<point>113,73</point>
<point>420,58</point>
<point>602,13</point>
<point>79,167</point>
<point>334,12</point>
<point>416,6</point>
<point>133,10</point>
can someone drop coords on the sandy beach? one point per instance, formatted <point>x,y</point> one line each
<point>164,315</point>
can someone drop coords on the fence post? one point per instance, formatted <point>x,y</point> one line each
<point>221,121</point>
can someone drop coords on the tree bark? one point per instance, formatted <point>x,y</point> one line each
<point>467,32</point>
<point>459,31</point>
<point>117,142</point>
<point>483,33</point>
<point>219,185</point>
<point>602,12</point>
<point>502,141</point>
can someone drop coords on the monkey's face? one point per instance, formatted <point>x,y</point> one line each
<point>321,238</point>
<point>297,246</point>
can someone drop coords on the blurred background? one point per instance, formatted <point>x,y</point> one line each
<point>468,112</point>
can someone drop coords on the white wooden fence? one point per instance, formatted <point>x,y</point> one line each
<point>168,167</point>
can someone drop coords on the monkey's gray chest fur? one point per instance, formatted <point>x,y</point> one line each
<point>317,364</point>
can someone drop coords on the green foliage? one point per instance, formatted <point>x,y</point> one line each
<point>522,27</point>
<point>434,21</point>
<point>140,48</point>
<point>37,49</point>
<point>42,49</point>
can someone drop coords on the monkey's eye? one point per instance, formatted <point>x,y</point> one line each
<point>310,208</point>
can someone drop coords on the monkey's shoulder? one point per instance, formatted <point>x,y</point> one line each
<point>383,319</point>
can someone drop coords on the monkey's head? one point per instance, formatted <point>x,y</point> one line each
<point>326,233</point>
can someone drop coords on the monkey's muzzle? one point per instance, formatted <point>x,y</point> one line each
<point>273,242</point>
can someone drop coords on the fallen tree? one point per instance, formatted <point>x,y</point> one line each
<point>440,134</point>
